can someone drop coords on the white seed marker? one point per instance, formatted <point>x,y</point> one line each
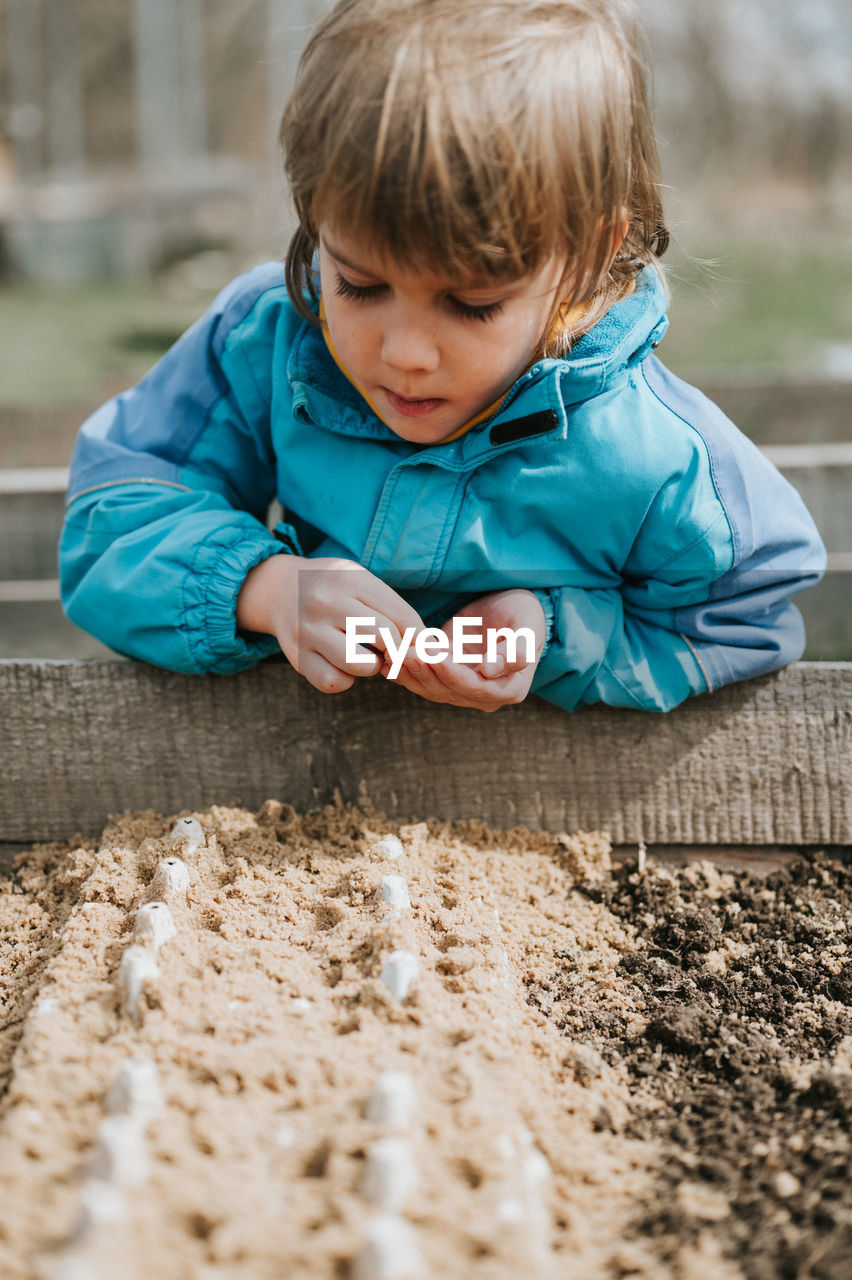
<point>136,1092</point>
<point>390,1176</point>
<point>138,967</point>
<point>399,971</point>
<point>394,891</point>
<point>171,881</point>
<point>525,1202</point>
<point>390,1251</point>
<point>188,832</point>
<point>154,925</point>
<point>120,1157</point>
<point>391,1103</point>
<point>119,1160</point>
<point>388,848</point>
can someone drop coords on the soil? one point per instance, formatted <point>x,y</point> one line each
<point>615,1073</point>
<point>746,984</point>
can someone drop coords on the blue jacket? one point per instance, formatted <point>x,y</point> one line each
<point>662,544</point>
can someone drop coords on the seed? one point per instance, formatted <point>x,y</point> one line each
<point>135,1092</point>
<point>138,967</point>
<point>390,1176</point>
<point>787,1185</point>
<point>120,1157</point>
<point>526,1175</point>
<point>400,970</point>
<point>101,1204</point>
<point>387,849</point>
<point>154,925</point>
<point>394,891</point>
<point>390,1251</point>
<point>171,880</point>
<point>391,1102</point>
<point>189,832</point>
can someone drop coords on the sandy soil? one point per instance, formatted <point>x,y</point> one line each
<point>554,1090</point>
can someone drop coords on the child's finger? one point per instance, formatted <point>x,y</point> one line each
<point>462,681</point>
<point>520,663</point>
<point>364,668</point>
<point>393,646</point>
<point>323,675</point>
<point>497,664</point>
<point>502,665</point>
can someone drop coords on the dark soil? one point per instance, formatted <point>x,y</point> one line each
<point>744,1070</point>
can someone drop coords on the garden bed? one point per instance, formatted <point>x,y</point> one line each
<point>614,1071</point>
<point>608,1068</point>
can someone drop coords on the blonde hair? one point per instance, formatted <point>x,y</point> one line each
<point>480,138</point>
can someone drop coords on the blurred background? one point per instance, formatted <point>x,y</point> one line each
<point>139,173</point>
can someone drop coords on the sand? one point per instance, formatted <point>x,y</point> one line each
<point>597,1071</point>
<point>269,1026</point>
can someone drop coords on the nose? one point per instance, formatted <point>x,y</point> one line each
<point>409,344</point>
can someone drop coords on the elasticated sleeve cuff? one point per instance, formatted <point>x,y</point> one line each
<point>546,601</point>
<point>218,571</point>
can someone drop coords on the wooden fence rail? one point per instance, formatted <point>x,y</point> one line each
<point>768,762</point>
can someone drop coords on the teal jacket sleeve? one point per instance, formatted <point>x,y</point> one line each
<point>598,651</point>
<point>704,598</point>
<point>170,483</point>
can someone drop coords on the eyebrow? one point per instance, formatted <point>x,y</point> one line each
<point>342,259</point>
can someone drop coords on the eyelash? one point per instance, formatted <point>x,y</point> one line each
<point>363,293</point>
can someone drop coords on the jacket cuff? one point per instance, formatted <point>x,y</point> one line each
<point>216,576</point>
<point>546,601</point>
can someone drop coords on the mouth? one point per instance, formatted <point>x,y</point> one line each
<point>412,407</point>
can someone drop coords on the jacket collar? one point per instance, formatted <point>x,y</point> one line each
<point>324,396</point>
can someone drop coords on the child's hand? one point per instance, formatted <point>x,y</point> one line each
<point>304,603</point>
<point>485,686</point>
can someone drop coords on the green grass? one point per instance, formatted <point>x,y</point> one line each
<point>756,305</point>
<point>77,346</point>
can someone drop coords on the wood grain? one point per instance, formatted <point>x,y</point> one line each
<point>768,762</point>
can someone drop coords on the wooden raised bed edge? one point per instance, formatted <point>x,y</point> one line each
<point>767,762</point>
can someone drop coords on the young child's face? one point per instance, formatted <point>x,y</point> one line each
<point>428,351</point>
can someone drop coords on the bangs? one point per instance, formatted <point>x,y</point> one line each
<point>478,139</point>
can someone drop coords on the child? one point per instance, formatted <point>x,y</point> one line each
<point>450,388</point>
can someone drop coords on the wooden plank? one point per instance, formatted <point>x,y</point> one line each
<point>766,762</point>
<point>40,435</point>
<point>32,625</point>
<point>822,473</point>
<point>781,411</point>
<point>827,611</point>
<point>32,507</point>
<point>758,860</point>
